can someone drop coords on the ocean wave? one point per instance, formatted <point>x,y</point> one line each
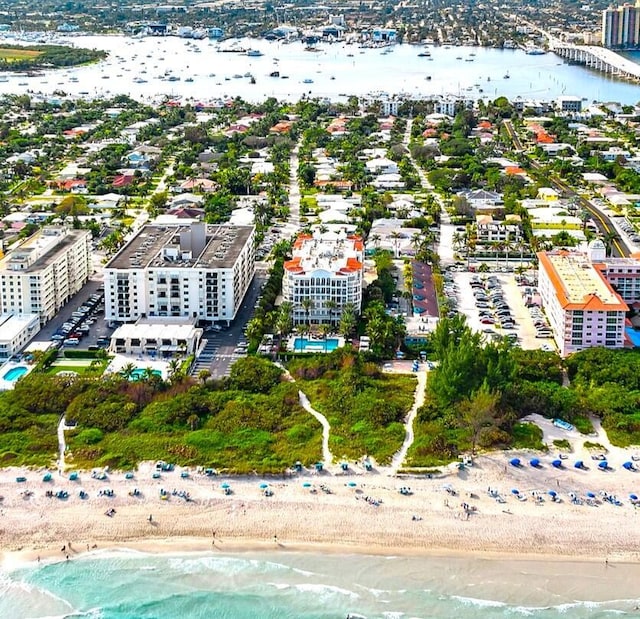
<point>230,565</point>
<point>468,601</point>
<point>9,586</point>
<point>320,589</point>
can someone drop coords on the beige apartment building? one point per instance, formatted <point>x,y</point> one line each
<point>44,272</point>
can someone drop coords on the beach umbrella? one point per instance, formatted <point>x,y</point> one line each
<point>628,466</point>
<point>604,465</point>
<point>591,495</point>
<point>579,464</point>
<point>306,484</point>
<point>514,462</point>
<point>352,484</point>
<point>534,462</point>
<point>515,491</point>
<point>263,486</point>
<point>557,464</point>
<point>225,485</point>
<point>552,493</point>
<point>633,497</point>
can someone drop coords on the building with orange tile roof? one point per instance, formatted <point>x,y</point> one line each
<point>326,267</point>
<point>583,308</point>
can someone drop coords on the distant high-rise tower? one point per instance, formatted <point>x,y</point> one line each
<point>621,26</point>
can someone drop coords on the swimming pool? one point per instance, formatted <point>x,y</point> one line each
<point>140,373</point>
<point>633,335</point>
<point>15,373</point>
<point>302,344</point>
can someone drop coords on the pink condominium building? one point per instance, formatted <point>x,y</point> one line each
<point>582,306</point>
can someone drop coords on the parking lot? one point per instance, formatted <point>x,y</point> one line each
<point>495,304</point>
<point>82,318</point>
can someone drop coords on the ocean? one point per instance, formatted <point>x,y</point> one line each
<point>125,584</point>
<point>152,67</point>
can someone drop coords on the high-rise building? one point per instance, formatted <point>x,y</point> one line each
<point>44,272</point>
<point>324,274</point>
<point>581,304</point>
<point>621,26</point>
<point>195,271</point>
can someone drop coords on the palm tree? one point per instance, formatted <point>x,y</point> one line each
<point>128,371</point>
<point>324,331</point>
<point>331,306</point>
<point>348,320</point>
<point>307,306</point>
<point>175,371</point>
<point>283,322</point>
<point>608,238</point>
<point>396,236</point>
<point>204,375</point>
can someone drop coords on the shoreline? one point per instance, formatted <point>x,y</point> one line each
<point>453,516</point>
<point>530,581</point>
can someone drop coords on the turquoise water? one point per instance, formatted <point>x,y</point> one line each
<point>302,344</point>
<point>633,335</point>
<point>140,373</point>
<point>132,585</point>
<point>15,373</point>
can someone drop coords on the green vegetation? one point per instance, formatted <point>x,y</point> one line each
<point>562,443</point>
<point>591,445</point>
<point>251,421</point>
<point>37,56</point>
<point>527,436</point>
<point>364,406</point>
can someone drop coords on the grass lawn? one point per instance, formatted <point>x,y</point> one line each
<point>11,54</point>
<point>98,367</point>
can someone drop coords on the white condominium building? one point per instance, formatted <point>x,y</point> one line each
<point>324,274</point>
<point>194,271</point>
<point>582,307</point>
<point>44,272</point>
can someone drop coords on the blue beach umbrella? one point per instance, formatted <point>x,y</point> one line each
<point>579,464</point>
<point>352,484</point>
<point>557,464</point>
<point>628,466</point>
<point>306,485</point>
<point>514,462</point>
<point>263,486</point>
<point>515,491</point>
<point>591,495</point>
<point>225,485</point>
<point>604,465</point>
<point>552,493</point>
<point>633,497</point>
<point>534,462</point>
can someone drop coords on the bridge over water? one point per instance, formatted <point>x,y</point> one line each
<point>598,58</point>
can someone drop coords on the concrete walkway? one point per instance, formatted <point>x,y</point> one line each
<point>327,456</point>
<point>418,400</point>
<point>62,446</point>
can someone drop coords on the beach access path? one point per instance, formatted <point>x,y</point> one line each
<point>327,456</point>
<point>418,400</point>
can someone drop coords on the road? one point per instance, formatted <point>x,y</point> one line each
<point>602,221</point>
<point>218,355</point>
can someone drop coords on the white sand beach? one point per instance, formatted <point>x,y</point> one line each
<point>363,512</point>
